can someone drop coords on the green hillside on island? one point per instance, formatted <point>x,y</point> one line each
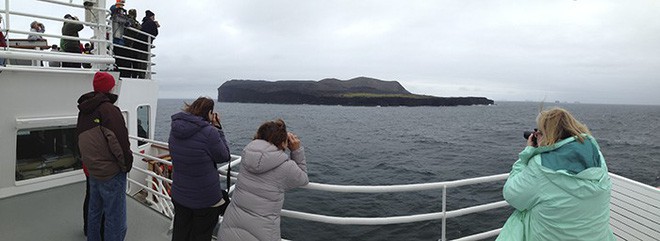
<point>361,91</point>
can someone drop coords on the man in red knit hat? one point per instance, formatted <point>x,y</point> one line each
<point>105,151</point>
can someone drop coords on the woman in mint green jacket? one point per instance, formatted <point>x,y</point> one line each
<point>560,188</point>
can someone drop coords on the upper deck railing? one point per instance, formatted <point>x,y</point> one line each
<point>32,55</point>
<point>635,207</point>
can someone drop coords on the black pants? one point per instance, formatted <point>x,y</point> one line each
<point>122,62</point>
<point>70,65</point>
<point>194,224</point>
<point>86,208</point>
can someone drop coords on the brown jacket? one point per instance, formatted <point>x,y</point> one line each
<point>102,136</point>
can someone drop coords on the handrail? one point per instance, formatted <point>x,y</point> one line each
<point>56,19</point>
<point>153,174</point>
<point>480,236</point>
<point>442,215</point>
<point>39,69</point>
<point>169,163</point>
<point>403,187</point>
<point>149,189</point>
<point>223,169</point>
<point>143,33</point>
<point>160,143</point>
<point>72,5</point>
<point>391,219</point>
<point>58,36</point>
<point>56,56</point>
<point>131,59</point>
<point>134,70</point>
<point>132,49</point>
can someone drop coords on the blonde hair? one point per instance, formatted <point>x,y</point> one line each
<point>557,124</point>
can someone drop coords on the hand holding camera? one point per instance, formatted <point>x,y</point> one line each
<point>293,141</point>
<point>531,137</point>
<point>214,118</point>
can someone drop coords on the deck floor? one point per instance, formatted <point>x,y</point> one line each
<point>56,214</point>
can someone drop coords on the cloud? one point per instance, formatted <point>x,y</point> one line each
<point>589,51</point>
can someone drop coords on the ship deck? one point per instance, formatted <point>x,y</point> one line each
<point>56,214</point>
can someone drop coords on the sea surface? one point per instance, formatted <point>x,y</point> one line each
<point>403,145</point>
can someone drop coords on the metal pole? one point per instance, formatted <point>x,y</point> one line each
<point>147,75</point>
<point>99,32</point>
<point>444,213</point>
<point>6,30</point>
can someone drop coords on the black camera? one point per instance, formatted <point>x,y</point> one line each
<point>526,135</point>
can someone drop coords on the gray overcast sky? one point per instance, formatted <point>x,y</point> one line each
<point>591,51</point>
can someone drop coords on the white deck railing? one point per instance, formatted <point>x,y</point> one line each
<point>102,57</point>
<point>635,207</point>
<point>443,215</point>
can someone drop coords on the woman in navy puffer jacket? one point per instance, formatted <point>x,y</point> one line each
<point>197,145</point>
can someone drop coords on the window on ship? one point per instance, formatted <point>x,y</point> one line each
<point>143,124</point>
<point>46,151</point>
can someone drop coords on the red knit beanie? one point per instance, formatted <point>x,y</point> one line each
<point>103,82</point>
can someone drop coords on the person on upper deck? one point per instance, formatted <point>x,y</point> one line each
<point>132,15</point>
<point>150,26</point>
<point>197,145</point>
<point>134,24</point>
<point>120,21</point>
<point>105,151</point>
<point>71,45</point>
<point>149,23</point>
<point>36,27</point>
<point>54,48</point>
<point>560,188</point>
<point>266,173</point>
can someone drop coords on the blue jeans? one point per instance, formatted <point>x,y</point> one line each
<point>107,197</point>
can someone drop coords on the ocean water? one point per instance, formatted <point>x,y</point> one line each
<point>402,145</point>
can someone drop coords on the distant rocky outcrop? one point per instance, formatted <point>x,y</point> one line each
<point>361,91</point>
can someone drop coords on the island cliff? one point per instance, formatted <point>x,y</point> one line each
<point>361,91</point>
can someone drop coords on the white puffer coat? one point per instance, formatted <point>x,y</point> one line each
<point>266,173</point>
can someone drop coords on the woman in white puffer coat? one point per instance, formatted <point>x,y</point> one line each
<point>266,173</point>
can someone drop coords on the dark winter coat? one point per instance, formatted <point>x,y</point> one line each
<point>150,27</point>
<point>71,29</point>
<point>196,147</point>
<point>102,136</point>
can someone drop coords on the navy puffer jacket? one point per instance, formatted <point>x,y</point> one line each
<point>196,147</point>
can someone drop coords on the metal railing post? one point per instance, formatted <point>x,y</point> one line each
<point>444,213</point>
<point>147,75</point>
<point>6,29</point>
<point>99,32</point>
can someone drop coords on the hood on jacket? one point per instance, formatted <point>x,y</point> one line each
<point>184,125</point>
<point>576,167</point>
<point>88,102</point>
<point>260,156</point>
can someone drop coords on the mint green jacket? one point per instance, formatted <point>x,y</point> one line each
<point>560,192</point>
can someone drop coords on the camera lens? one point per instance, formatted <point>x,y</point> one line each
<point>526,134</point>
